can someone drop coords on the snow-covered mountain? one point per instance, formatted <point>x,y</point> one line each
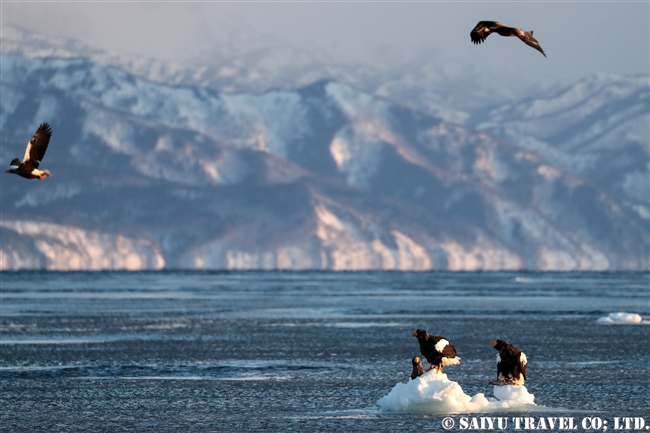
<point>326,176</point>
<point>252,63</point>
<point>597,128</point>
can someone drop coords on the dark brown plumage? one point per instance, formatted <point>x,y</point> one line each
<point>511,363</point>
<point>417,368</point>
<point>34,153</point>
<point>485,28</point>
<point>437,350</point>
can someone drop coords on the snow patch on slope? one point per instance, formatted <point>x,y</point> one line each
<point>349,247</point>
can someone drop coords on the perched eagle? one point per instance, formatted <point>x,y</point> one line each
<point>511,363</point>
<point>485,28</point>
<point>34,153</point>
<point>438,351</point>
<point>417,368</point>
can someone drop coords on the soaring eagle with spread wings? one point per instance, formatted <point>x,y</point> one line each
<point>485,28</point>
<point>34,154</point>
<point>437,350</point>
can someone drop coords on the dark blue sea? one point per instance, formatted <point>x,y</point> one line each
<point>305,351</point>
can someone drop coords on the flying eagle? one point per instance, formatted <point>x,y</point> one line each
<point>485,28</point>
<point>417,368</point>
<point>438,351</point>
<point>34,153</point>
<point>511,363</point>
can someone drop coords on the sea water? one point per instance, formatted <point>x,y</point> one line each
<point>310,351</point>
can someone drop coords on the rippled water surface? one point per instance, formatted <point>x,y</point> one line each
<point>282,351</point>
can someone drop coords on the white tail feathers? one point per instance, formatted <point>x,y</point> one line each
<point>451,361</point>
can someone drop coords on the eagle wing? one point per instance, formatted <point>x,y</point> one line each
<point>482,30</point>
<point>449,351</point>
<point>523,363</point>
<point>37,146</point>
<point>528,39</point>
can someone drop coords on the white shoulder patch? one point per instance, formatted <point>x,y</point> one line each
<point>440,345</point>
<point>498,358</point>
<point>523,359</point>
<point>28,149</point>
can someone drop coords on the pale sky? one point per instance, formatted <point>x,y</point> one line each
<point>579,38</point>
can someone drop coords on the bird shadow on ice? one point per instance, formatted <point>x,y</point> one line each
<point>434,393</point>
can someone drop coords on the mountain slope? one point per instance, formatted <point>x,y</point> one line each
<point>247,62</point>
<point>597,128</point>
<point>321,177</point>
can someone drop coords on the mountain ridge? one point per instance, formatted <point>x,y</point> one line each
<point>322,177</point>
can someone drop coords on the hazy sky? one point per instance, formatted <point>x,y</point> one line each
<point>579,37</point>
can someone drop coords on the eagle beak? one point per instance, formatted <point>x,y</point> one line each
<point>415,334</point>
<point>493,342</point>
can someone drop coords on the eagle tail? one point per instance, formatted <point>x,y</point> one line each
<point>451,361</point>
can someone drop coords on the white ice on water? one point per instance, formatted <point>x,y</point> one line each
<point>434,393</point>
<point>621,318</point>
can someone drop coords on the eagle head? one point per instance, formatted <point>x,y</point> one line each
<point>499,344</point>
<point>416,360</point>
<point>421,334</point>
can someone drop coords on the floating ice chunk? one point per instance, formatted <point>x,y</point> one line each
<point>433,392</point>
<point>513,395</point>
<point>623,319</point>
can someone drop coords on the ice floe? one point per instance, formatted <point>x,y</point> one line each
<point>621,318</point>
<point>434,393</point>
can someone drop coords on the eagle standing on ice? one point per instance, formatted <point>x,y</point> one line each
<point>511,364</point>
<point>485,28</point>
<point>417,368</point>
<point>438,351</point>
<point>34,153</point>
